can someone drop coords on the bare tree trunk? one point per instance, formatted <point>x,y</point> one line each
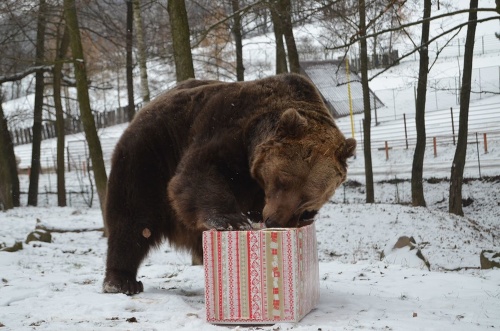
<point>130,64</point>
<point>9,181</point>
<point>285,13</point>
<point>457,168</point>
<point>38,107</point>
<point>141,51</point>
<point>375,62</point>
<point>238,41</point>
<point>59,61</point>
<point>281,63</point>
<point>179,27</point>
<point>417,188</point>
<point>370,196</point>
<point>84,102</point>
<point>5,179</point>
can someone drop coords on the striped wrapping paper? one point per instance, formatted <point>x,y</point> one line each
<point>260,277</point>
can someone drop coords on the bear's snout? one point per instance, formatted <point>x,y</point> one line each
<point>279,213</point>
<point>273,221</point>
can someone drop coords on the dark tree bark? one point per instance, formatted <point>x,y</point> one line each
<point>129,60</point>
<point>370,196</point>
<point>281,63</point>
<point>38,107</point>
<point>84,102</point>
<point>179,27</point>
<point>9,181</point>
<point>417,188</point>
<point>57,72</point>
<point>5,179</point>
<point>457,168</point>
<point>238,41</point>
<point>285,14</point>
<point>375,61</point>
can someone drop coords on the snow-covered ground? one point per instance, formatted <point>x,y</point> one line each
<point>57,285</point>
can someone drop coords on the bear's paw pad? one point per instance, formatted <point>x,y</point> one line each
<point>122,285</point>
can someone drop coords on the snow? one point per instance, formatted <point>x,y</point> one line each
<point>57,285</point>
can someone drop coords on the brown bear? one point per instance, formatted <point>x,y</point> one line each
<point>214,155</point>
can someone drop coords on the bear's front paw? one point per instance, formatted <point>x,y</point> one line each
<point>228,222</point>
<point>116,282</point>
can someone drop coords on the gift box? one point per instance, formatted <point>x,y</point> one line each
<point>262,276</point>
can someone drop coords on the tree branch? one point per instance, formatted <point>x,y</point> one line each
<point>216,24</point>
<point>442,48</point>
<point>355,40</point>
<point>382,12</point>
<point>460,26</point>
<point>20,75</point>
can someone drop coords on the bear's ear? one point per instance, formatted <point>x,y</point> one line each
<point>291,123</point>
<point>347,150</point>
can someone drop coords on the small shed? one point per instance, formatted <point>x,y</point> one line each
<point>330,77</point>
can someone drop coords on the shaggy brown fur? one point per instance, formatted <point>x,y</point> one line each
<point>211,155</point>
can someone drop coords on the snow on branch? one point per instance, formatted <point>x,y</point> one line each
<point>20,75</point>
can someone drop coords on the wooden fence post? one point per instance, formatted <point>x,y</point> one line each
<point>386,151</point>
<point>435,147</point>
<point>68,157</point>
<point>478,158</point>
<point>28,135</point>
<point>19,139</point>
<point>485,143</point>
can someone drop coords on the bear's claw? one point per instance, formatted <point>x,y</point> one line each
<point>228,222</point>
<point>121,284</point>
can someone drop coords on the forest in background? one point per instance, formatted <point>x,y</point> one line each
<point>77,45</point>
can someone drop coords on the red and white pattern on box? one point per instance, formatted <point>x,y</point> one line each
<point>255,265</point>
<point>260,276</point>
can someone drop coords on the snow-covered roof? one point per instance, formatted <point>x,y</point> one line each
<point>332,81</point>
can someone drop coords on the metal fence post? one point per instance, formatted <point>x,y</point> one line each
<point>406,131</point>
<point>394,101</point>
<point>452,125</point>
<point>480,88</point>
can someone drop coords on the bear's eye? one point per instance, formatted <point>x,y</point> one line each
<point>281,184</point>
<point>285,181</point>
<point>285,174</point>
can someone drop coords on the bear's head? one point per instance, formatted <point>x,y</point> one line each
<point>299,167</point>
